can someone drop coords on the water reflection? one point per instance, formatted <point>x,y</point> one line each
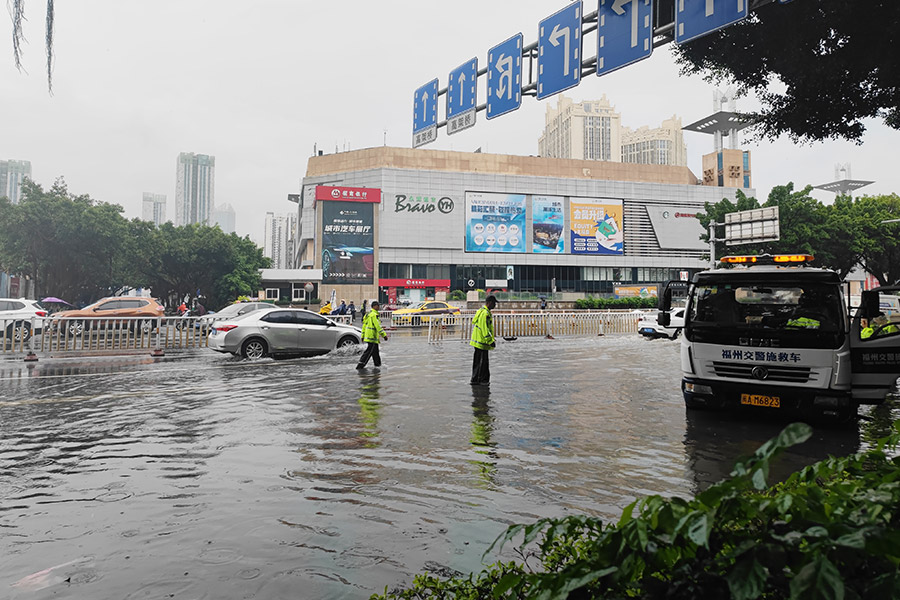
<point>482,428</point>
<point>370,408</point>
<point>716,440</point>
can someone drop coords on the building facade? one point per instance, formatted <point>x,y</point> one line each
<point>727,168</point>
<point>154,208</point>
<point>428,222</point>
<point>589,130</point>
<point>194,188</point>
<point>12,172</point>
<point>278,239</point>
<point>223,216</point>
<point>593,130</point>
<point>663,145</point>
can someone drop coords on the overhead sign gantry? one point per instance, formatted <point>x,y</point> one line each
<point>627,32</point>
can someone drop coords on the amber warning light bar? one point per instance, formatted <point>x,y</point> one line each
<point>768,259</point>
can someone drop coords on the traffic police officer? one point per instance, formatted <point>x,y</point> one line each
<point>372,332</point>
<point>483,341</point>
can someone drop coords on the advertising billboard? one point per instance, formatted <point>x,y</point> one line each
<point>635,291</point>
<point>495,222</point>
<point>595,226</point>
<point>547,222</point>
<point>348,242</point>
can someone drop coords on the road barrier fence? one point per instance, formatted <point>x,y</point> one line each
<point>57,337</point>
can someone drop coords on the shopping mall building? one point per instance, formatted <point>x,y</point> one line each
<point>404,224</point>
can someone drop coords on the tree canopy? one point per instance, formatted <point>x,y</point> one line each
<point>818,68</point>
<point>80,250</point>
<point>841,235</point>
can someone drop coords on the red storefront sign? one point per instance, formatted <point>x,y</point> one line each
<point>416,284</point>
<point>348,194</point>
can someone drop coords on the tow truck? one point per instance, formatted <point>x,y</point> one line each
<point>773,334</point>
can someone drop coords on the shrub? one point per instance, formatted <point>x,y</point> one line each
<point>828,531</point>
<point>457,295</point>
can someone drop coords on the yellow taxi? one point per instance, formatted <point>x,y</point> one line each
<point>423,312</point>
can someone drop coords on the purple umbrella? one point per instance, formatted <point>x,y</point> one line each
<point>53,300</point>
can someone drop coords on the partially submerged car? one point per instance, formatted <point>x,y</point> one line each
<point>281,332</point>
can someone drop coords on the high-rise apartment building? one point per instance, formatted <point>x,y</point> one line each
<point>12,172</point>
<point>593,130</point>
<point>194,188</point>
<point>279,239</point>
<point>663,145</point>
<point>587,130</point>
<point>154,208</point>
<point>223,216</point>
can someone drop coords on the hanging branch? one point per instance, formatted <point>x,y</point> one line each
<point>49,41</point>
<point>17,12</point>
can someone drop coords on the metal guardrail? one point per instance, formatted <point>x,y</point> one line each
<point>95,334</point>
<point>441,327</point>
<point>45,336</point>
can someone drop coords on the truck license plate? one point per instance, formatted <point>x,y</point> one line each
<point>760,400</point>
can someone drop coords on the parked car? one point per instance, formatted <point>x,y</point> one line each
<point>422,312</point>
<point>16,316</point>
<point>110,312</point>
<point>649,327</point>
<point>281,332</point>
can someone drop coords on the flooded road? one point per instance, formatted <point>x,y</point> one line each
<point>210,477</point>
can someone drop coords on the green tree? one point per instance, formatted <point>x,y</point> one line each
<point>201,261</point>
<point>71,246</point>
<point>830,233</point>
<point>877,243</point>
<point>834,64</point>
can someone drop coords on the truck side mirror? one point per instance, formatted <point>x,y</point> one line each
<point>869,306</point>
<point>663,319</point>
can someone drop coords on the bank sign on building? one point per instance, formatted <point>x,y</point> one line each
<point>412,224</point>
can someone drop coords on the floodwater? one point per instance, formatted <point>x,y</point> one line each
<point>205,476</point>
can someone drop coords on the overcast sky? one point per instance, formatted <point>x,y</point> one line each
<point>258,84</point>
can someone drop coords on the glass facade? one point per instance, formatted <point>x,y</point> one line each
<point>531,278</point>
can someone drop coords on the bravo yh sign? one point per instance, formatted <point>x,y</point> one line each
<point>423,204</point>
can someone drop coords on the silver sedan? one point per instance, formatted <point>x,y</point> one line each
<point>281,332</point>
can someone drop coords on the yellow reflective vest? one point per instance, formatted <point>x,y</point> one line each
<point>804,323</point>
<point>483,330</point>
<point>371,328</point>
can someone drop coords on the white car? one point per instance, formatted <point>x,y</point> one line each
<point>649,327</point>
<point>281,332</point>
<point>16,316</point>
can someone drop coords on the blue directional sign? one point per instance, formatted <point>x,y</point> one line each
<point>504,91</point>
<point>425,111</point>
<point>504,77</point>
<point>461,93</point>
<point>559,51</point>
<point>695,18</point>
<point>624,33</point>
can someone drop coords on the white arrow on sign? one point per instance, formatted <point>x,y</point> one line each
<point>554,39</point>
<point>710,7</point>
<point>505,65</point>
<point>424,106</point>
<point>461,80</point>
<point>619,8</point>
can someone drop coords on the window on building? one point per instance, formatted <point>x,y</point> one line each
<point>271,293</point>
<point>298,294</point>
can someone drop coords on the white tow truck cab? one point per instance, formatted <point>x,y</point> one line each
<point>777,335</point>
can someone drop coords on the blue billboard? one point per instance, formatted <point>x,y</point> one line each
<point>547,224</point>
<point>495,222</point>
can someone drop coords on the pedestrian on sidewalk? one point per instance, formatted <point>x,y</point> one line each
<point>372,332</point>
<point>351,309</point>
<point>483,341</point>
